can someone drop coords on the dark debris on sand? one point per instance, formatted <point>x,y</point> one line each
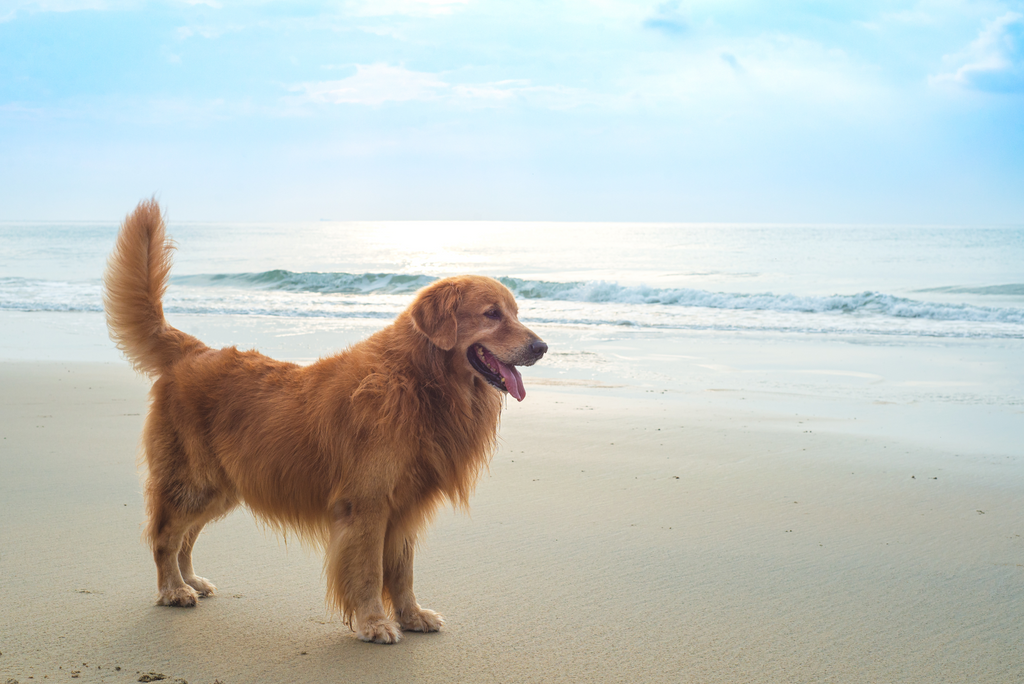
<point>156,677</point>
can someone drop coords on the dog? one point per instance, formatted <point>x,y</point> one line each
<point>354,453</point>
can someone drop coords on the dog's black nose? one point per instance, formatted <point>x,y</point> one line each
<point>539,348</point>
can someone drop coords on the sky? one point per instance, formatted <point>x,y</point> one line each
<point>877,111</point>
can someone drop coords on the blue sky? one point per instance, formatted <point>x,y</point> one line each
<point>847,112</point>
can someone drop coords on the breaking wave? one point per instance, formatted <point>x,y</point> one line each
<point>382,295</point>
<point>324,283</point>
<point>599,291</point>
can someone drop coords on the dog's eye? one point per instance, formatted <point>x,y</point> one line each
<point>493,314</point>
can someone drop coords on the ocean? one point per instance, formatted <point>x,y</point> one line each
<point>898,314</point>
<point>890,281</point>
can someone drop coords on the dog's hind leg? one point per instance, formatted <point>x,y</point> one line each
<point>202,585</point>
<point>177,513</point>
<point>398,557</point>
<point>168,529</point>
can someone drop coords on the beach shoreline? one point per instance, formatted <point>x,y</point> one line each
<point>620,534</point>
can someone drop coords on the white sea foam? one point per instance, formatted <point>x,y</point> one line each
<point>334,283</point>
<point>864,302</point>
<point>31,294</point>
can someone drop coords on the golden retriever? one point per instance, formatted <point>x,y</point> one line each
<point>354,452</point>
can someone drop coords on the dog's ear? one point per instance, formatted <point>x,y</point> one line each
<point>435,314</point>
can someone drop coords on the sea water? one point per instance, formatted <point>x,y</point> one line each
<point>811,280</point>
<point>896,314</point>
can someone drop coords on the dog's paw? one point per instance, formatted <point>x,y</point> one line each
<point>421,620</point>
<point>185,597</point>
<point>203,586</point>
<point>380,631</point>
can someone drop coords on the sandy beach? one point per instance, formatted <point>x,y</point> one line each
<point>620,535</point>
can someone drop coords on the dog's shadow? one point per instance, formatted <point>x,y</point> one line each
<point>224,638</point>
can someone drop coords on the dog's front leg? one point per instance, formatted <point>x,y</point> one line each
<point>398,557</point>
<point>355,570</point>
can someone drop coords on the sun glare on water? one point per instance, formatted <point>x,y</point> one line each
<point>437,247</point>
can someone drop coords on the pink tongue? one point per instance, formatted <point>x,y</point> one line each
<point>513,380</point>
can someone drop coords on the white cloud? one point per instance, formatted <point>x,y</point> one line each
<point>13,7</point>
<point>728,75</point>
<point>914,17</point>
<point>206,31</point>
<point>717,77</point>
<point>376,8</point>
<point>668,18</point>
<point>67,5</point>
<point>375,84</point>
<point>994,61</point>
<point>709,75</point>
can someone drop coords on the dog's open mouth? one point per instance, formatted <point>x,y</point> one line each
<point>503,376</point>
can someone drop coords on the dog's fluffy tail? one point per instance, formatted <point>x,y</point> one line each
<point>133,289</point>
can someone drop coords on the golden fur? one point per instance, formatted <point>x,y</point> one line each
<point>354,452</point>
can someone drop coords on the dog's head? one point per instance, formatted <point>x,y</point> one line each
<point>477,317</point>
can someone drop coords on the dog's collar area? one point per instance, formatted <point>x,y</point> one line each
<point>504,377</point>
